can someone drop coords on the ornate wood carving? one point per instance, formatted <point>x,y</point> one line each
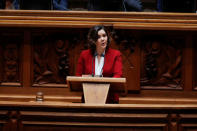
<point>10,58</point>
<point>125,39</point>
<point>10,63</point>
<point>52,56</point>
<point>127,42</point>
<point>50,60</point>
<point>13,120</point>
<point>173,122</point>
<point>161,63</point>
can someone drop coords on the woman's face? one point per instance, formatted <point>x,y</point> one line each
<point>101,42</point>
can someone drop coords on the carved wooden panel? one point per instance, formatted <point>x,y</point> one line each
<point>126,42</point>
<point>10,59</point>
<point>161,62</point>
<point>55,55</point>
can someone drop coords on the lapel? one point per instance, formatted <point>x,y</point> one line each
<point>106,60</point>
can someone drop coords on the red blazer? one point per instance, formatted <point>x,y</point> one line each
<point>112,68</point>
<point>112,63</point>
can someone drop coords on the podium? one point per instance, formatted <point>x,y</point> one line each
<point>96,89</point>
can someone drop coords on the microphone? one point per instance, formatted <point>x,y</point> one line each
<point>102,66</point>
<point>92,66</point>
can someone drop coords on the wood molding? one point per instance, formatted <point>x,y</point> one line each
<point>86,19</point>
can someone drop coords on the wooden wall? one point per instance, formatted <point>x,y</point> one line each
<point>38,49</point>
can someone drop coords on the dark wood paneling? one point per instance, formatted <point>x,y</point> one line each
<point>38,41</point>
<point>66,116</point>
<point>4,120</point>
<point>44,38</point>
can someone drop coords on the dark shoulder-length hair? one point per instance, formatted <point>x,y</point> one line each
<point>93,37</point>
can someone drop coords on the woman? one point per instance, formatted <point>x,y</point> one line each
<point>99,59</point>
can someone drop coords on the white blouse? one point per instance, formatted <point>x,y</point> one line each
<point>99,65</point>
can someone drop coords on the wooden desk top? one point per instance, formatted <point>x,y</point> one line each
<point>55,104</point>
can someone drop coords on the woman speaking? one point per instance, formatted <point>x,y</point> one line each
<point>100,60</point>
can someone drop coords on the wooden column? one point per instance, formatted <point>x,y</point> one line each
<point>26,72</point>
<point>188,64</point>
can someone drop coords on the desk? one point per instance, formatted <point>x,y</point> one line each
<point>68,116</point>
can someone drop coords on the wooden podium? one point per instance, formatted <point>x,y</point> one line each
<point>96,89</point>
